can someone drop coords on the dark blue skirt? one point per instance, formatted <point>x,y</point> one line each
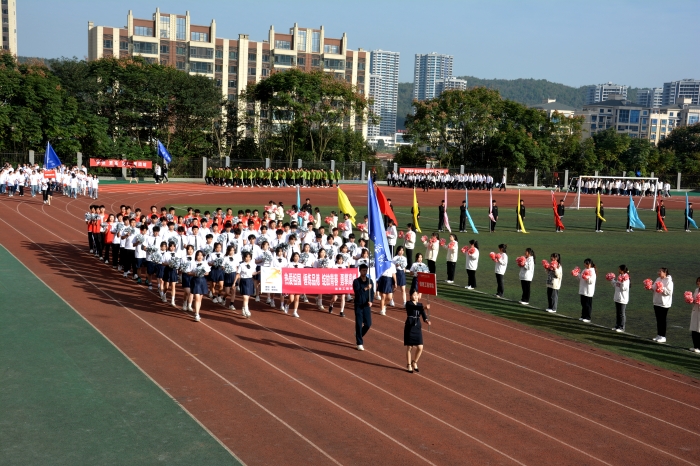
<point>229,278</point>
<point>257,276</point>
<point>400,277</point>
<point>385,285</point>
<point>186,280</point>
<point>159,270</point>
<point>199,286</point>
<point>170,275</point>
<point>217,274</point>
<point>247,287</point>
<point>151,267</point>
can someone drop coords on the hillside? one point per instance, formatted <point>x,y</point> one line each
<point>527,91</point>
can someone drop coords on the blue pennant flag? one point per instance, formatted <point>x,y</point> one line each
<point>466,210</point>
<point>163,152</point>
<point>687,211</point>
<point>634,217</point>
<point>382,262</point>
<point>51,160</point>
<point>298,199</point>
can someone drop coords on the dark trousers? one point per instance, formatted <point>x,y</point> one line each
<point>129,261</point>
<point>525,284</point>
<point>598,224</point>
<point>661,313</point>
<point>97,240</point>
<point>409,258</point>
<point>441,223</point>
<point>493,225</point>
<point>471,278</point>
<point>659,227</point>
<point>586,307</point>
<point>552,298</point>
<point>462,223</point>
<point>502,187</point>
<point>363,321</point>
<point>620,313</point>
<point>696,339</point>
<point>45,195</point>
<point>91,241</point>
<point>451,266</point>
<point>106,250</point>
<point>431,266</point>
<point>499,284</point>
<point>115,255</point>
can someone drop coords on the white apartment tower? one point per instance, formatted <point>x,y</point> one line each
<point>384,89</point>
<point>650,98</point>
<point>9,26</point>
<point>451,83</point>
<point>600,92</point>
<point>429,68</point>
<point>676,90</point>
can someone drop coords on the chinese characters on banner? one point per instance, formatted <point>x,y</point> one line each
<point>316,281</point>
<point>49,174</point>
<point>116,163</point>
<point>427,283</point>
<point>424,171</point>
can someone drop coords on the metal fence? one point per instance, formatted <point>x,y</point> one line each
<point>14,158</point>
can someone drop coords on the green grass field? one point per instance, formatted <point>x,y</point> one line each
<point>643,251</point>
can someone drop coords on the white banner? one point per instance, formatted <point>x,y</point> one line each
<point>270,280</point>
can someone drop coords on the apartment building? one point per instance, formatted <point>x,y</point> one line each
<point>685,88</point>
<point>650,97</point>
<point>601,92</point>
<point>172,40</point>
<point>428,69</point>
<point>551,106</point>
<point>616,112</point>
<point>384,89</point>
<point>9,26</point>
<point>449,83</point>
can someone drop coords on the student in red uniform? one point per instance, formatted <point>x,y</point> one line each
<point>108,238</point>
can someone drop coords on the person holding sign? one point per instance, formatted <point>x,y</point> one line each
<point>412,331</point>
<point>362,288</point>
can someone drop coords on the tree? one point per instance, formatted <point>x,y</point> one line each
<point>685,143</point>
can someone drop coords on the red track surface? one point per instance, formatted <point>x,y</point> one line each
<point>278,390</point>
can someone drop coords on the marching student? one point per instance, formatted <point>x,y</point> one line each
<point>109,238</point>
<point>170,269</point>
<point>586,288</point>
<point>216,274</point>
<point>198,269</point>
<point>416,267</point>
<point>472,263</point>
<point>400,262</point>
<point>554,276</point>
<point>246,271</point>
<point>159,268</point>
<point>339,264</point>
<point>127,252</point>
<point>232,260</point>
<point>322,262</point>
<point>386,286</point>
<point>279,262</point>
<point>262,259</point>
<point>501,265</point>
<point>527,272</point>
<point>621,283</point>
<point>391,236</point>
<point>294,299</point>
<point>432,247</point>
<point>140,253</point>
<point>187,279</point>
<point>412,332</point>
<point>362,288</point>
<point>451,258</point>
<point>409,242</point>
<point>663,297</point>
<point>695,319</point>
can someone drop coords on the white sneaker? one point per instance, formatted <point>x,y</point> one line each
<point>172,302</point>
<point>382,312</point>
<point>552,311</point>
<point>661,340</point>
<point>106,262</point>
<point>150,287</point>
<point>136,276</point>
<point>656,338</point>
<point>469,287</point>
<point>257,299</point>
<point>125,275</point>
<point>197,318</point>
<point>391,303</point>
<point>272,303</point>
<point>267,301</point>
<point>523,303</point>
<point>360,348</point>
<point>619,330</point>
<point>305,299</point>
<point>211,295</point>
<point>232,307</point>
<point>164,299</point>
<point>588,321</point>
<point>184,307</point>
<point>295,314</point>
<point>189,308</point>
<point>694,350</point>
<point>285,308</point>
<point>449,282</point>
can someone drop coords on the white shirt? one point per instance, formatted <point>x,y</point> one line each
<point>246,269</point>
<point>139,253</point>
<point>586,287</point>
<point>663,299</point>
<point>279,262</point>
<point>622,291</point>
<point>473,259</point>
<point>348,228</point>
<point>528,270</point>
<point>431,250</point>
<point>452,252</point>
<point>193,265</point>
<point>502,263</point>
<point>409,240</point>
<point>391,235</point>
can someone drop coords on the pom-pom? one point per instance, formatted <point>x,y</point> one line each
<point>464,249</point>
<point>442,242</point>
<point>610,276</point>
<point>648,283</point>
<point>623,277</point>
<point>659,287</point>
<point>697,299</point>
<point>492,255</point>
<point>424,238</point>
<point>545,264</point>
<point>554,265</point>
<point>329,220</point>
<point>341,227</point>
<point>434,240</point>
<point>472,250</point>
<point>586,274</point>
<point>520,261</point>
<point>688,295</point>
<point>452,245</point>
<point>576,271</point>
<point>498,257</point>
<point>401,235</point>
<point>362,226</point>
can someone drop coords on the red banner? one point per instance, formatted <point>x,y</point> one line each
<point>427,283</point>
<point>424,170</point>
<point>49,174</point>
<point>318,281</point>
<point>116,163</point>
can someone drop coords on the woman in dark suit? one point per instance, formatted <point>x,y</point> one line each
<point>412,332</point>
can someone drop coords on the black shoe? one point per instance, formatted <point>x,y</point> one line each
<point>342,314</point>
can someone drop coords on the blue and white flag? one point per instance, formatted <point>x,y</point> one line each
<point>634,217</point>
<point>163,152</point>
<point>687,211</point>
<point>51,160</point>
<point>466,210</point>
<point>377,235</point>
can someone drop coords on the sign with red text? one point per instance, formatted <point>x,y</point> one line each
<point>117,163</point>
<point>427,283</point>
<point>424,171</point>
<point>50,174</point>
<point>318,281</point>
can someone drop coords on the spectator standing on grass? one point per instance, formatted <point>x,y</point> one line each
<point>661,216</point>
<point>362,288</point>
<point>521,209</point>
<point>586,288</point>
<point>494,214</point>
<point>554,275</point>
<point>598,219</point>
<point>527,272</point>
<point>621,297</point>
<point>695,319</point>
<point>663,298</point>
<point>412,331</point>
<point>463,217</point>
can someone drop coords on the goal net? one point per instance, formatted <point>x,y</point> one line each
<point>639,187</point>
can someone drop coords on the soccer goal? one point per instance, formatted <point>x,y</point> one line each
<point>637,186</point>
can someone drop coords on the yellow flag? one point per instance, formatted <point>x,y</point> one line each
<point>345,206</point>
<point>520,219</point>
<point>415,212</point>
<point>597,209</point>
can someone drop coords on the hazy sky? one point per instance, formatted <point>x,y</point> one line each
<point>635,42</point>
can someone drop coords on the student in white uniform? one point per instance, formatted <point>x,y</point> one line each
<point>246,272</point>
<point>663,298</point>
<point>170,270</point>
<point>554,276</point>
<point>322,262</point>
<point>231,262</point>
<point>187,278</point>
<point>279,262</point>
<point>216,273</point>
<point>586,288</point>
<point>391,235</point>
<point>294,299</point>
<point>695,318</point>
<point>621,284</point>
<point>400,263</point>
<point>501,260</point>
<point>472,257</point>
<point>527,272</point>
<point>198,270</point>
<point>339,264</point>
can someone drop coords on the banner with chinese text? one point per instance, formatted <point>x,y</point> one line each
<point>430,171</point>
<point>427,283</point>
<point>117,163</point>
<point>318,281</point>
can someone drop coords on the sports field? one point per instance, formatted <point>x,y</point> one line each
<point>499,383</point>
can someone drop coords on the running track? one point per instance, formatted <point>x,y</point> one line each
<point>279,390</point>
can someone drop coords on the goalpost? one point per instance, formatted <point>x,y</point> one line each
<point>582,179</point>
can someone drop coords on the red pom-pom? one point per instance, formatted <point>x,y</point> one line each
<point>688,295</point>
<point>424,238</point>
<point>623,277</point>
<point>401,235</point>
<point>586,274</point>
<point>545,264</point>
<point>497,257</point>
<point>442,242</point>
<point>648,284</point>
<point>659,287</point>
<point>329,220</point>
<point>554,265</point>
<point>520,261</point>
<point>464,249</point>
<point>492,255</point>
<point>451,245</point>
<point>472,250</point>
<point>341,227</point>
<point>610,276</point>
<point>697,299</point>
<point>361,226</point>
<point>576,271</point>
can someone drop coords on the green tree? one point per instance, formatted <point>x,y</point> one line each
<point>685,143</point>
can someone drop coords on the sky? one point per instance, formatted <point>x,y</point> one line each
<point>639,43</point>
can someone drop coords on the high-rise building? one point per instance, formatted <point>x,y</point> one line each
<point>680,89</point>
<point>384,89</point>
<point>429,68</point>
<point>600,92</point>
<point>9,26</point>
<point>442,85</point>
<point>172,40</point>
<point>650,97</point>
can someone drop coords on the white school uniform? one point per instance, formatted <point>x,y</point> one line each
<point>473,260</point>
<point>527,272</point>
<point>502,264</point>
<point>622,291</point>
<point>665,298</point>
<point>586,287</point>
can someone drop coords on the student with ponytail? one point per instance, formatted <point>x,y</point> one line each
<point>472,263</point>
<point>554,275</point>
<point>663,298</point>
<point>527,272</point>
<point>622,296</point>
<point>586,288</point>
<point>501,260</point>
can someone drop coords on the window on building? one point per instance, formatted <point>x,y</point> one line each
<point>645,112</point>
<point>634,116</point>
<point>4,11</point>
<point>286,60</point>
<point>301,61</point>
<point>143,31</point>
<point>123,45</point>
<point>232,83</point>
<point>644,129</point>
<point>622,128</point>
<point>602,110</point>
<point>219,68</point>
<point>663,136</point>
<point>692,119</point>
<point>653,129</point>
<point>645,121</point>
<point>5,29</point>
<point>218,82</point>
<point>181,50</point>
<point>360,80</point>
<point>251,71</point>
<point>634,128</point>
<point>315,62</point>
<point>233,55</point>
<point>315,42</point>
<point>252,57</point>
<point>165,27</point>
<point>663,129</point>
<point>663,122</point>
<point>180,65</point>
<point>283,44</point>
<point>670,114</point>
<point>610,110</point>
<point>652,136</point>
<point>348,64</point>
<point>232,97</point>
<point>107,44</point>
<point>623,116</point>
<point>593,126</point>
<point>201,52</point>
<point>265,72</point>
<point>266,58</point>
<point>654,121</point>
<point>334,64</point>
<point>164,49</point>
<point>145,47</point>
<point>180,33</point>
<point>301,41</point>
<point>200,67</point>
<point>594,118</point>
<point>232,69</point>
<point>219,53</point>
<point>331,49</point>
<point>199,36</point>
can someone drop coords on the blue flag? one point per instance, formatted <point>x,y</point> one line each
<point>163,152</point>
<point>634,217</point>
<point>466,210</point>
<point>376,231</point>
<point>298,199</point>
<point>51,160</point>
<point>687,212</point>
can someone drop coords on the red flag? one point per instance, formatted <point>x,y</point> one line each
<point>658,217</point>
<point>557,219</point>
<point>385,207</point>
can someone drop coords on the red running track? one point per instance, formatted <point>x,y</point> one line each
<point>280,390</point>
